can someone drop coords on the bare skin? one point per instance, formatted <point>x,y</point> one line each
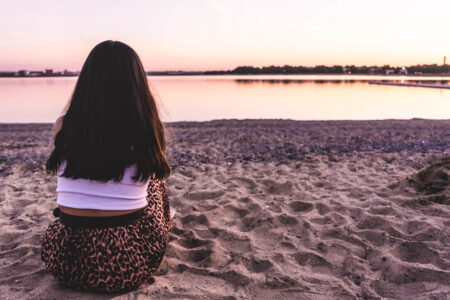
<point>94,212</point>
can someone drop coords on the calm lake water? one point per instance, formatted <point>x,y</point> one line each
<point>200,98</point>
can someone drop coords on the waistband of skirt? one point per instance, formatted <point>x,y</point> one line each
<point>98,222</point>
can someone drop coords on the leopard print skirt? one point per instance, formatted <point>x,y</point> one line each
<point>111,259</point>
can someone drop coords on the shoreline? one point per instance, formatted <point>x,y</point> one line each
<point>259,75</point>
<point>436,86</point>
<point>265,209</point>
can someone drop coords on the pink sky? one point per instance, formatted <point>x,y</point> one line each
<point>204,35</point>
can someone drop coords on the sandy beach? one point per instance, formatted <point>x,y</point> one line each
<point>266,209</point>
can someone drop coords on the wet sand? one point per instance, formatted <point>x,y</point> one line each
<point>266,209</point>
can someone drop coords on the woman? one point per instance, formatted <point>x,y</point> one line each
<point>108,153</point>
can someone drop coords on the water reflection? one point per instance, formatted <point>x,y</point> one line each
<point>215,97</point>
<point>335,81</point>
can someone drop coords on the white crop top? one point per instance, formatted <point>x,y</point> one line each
<point>90,194</point>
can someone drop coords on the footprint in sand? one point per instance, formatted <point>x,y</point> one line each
<point>240,212</point>
<point>191,255</point>
<point>382,210</point>
<point>204,195</point>
<point>300,206</point>
<point>322,220</point>
<point>23,202</point>
<point>203,206</point>
<point>275,188</point>
<point>199,255</point>
<point>248,183</point>
<point>373,222</point>
<point>288,245</point>
<point>418,252</point>
<point>191,220</point>
<point>191,242</point>
<point>256,265</point>
<point>236,242</point>
<point>287,220</point>
<point>322,208</point>
<point>316,262</point>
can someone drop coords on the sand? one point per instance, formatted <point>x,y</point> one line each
<point>266,209</point>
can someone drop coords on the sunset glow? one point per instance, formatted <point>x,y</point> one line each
<point>205,35</point>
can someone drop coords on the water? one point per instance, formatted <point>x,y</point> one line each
<point>200,98</point>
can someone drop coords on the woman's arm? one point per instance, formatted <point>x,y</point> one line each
<point>58,125</point>
<point>165,199</point>
<point>157,193</point>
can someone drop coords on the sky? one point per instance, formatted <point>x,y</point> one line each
<point>223,34</point>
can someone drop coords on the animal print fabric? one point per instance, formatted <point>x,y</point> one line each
<point>111,259</point>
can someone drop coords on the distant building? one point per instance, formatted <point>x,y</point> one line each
<point>389,71</point>
<point>36,73</point>
<point>69,73</point>
<point>403,71</point>
<point>48,71</point>
<point>23,73</point>
<point>7,74</point>
<point>374,70</point>
<point>445,60</point>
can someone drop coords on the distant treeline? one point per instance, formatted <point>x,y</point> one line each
<point>321,69</point>
<point>288,70</point>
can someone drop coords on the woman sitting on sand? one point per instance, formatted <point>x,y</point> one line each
<point>108,153</point>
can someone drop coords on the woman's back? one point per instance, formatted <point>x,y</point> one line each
<point>81,193</point>
<point>113,208</point>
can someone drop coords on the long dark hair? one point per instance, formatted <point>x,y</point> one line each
<point>111,121</point>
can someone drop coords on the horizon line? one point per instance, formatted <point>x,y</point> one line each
<point>230,70</point>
